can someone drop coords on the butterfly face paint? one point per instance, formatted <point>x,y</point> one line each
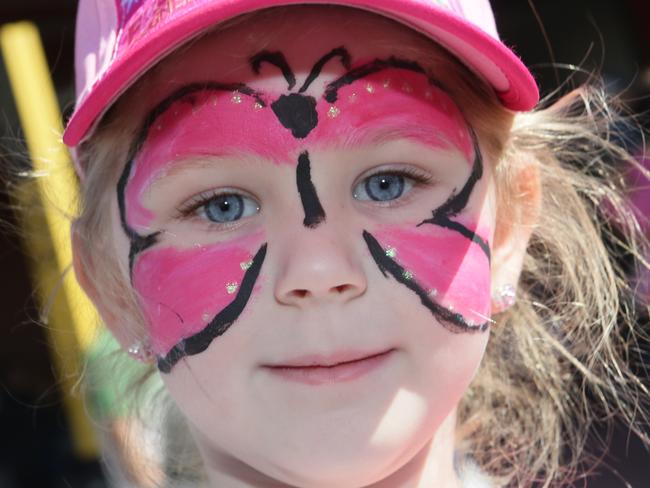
<point>191,296</point>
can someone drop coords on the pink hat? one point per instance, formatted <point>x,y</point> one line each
<point>118,40</point>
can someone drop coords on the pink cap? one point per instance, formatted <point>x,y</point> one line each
<point>119,40</point>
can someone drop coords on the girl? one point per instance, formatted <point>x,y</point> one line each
<point>353,255</point>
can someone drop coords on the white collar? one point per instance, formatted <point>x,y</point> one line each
<point>471,476</point>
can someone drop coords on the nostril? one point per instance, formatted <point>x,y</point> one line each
<point>300,293</point>
<point>341,288</point>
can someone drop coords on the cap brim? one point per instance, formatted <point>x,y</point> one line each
<point>485,55</point>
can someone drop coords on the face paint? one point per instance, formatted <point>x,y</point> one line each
<point>202,123</point>
<point>394,103</point>
<point>207,123</point>
<point>314,213</point>
<point>186,306</point>
<point>451,271</point>
<point>183,291</point>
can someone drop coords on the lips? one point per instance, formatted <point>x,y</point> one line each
<point>327,360</point>
<point>326,369</point>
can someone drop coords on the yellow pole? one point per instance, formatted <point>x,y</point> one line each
<point>48,203</point>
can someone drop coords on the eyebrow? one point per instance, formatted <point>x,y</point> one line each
<point>192,162</point>
<point>418,133</point>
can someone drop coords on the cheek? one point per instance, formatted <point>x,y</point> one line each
<point>454,270</point>
<point>182,290</point>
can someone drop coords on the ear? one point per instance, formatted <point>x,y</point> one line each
<point>84,267</point>
<point>517,217</point>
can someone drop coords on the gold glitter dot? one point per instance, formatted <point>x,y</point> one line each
<point>450,308</point>
<point>258,106</point>
<point>370,88</point>
<point>246,264</point>
<point>391,252</point>
<point>236,97</point>
<point>352,98</point>
<point>407,275</point>
<point>333,112</point>
<point>433,292</point>
<point>407,88</point>
<point>232,287</point>
<point>387,83</point>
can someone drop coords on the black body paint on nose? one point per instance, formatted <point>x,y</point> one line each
<point>314,213</point>
<point>452,321</point>
<point>200,341</point>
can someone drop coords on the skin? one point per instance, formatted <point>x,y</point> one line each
<point>320,289</point>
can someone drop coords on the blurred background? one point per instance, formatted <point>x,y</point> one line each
<point>37,445</point>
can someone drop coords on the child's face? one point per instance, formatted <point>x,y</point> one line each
<point>269,221</point>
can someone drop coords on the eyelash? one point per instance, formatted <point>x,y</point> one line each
<point>189,208</point>
<point>419,178</point>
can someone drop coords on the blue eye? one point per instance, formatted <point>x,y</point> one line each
<point>224,208</point>
<point>384,187</point>
<point>229,208</point>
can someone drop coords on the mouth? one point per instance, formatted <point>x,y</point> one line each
<point>326,369</point>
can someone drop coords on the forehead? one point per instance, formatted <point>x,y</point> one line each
<point>301,33</point>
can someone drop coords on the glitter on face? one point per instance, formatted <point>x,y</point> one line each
<point>387,83</point>
<point>232,287</point>
<point>406,88</point>
<point>246,264</point>
<point>433,292</point>
<point>236,97</point>
<point>407,275</point>
<point>370,88</point>
<point>333,112</point>
<point>205,317</point>
<point>352,98</point>
<point>391,252</point>
<point>258,106</point>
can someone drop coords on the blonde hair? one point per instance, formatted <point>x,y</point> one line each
<point>561,357</point>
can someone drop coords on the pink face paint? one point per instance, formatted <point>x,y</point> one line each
<point>182,290</point>
<point>216,123</point>
<point>210,123</point>
<point>393,99</point>
<point>453,270</point>
<point>179,297</point>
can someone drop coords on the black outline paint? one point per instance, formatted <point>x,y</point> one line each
<point>458,201</point>
<point>452,321</point>
<point>332,90</point>
<point>139,243</point>
<point>314,213</point>
<point>339,52</point>
<point>297,112</point>
<point>221,322</point>
<point>277,59</point>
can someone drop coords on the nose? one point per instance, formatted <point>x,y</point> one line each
<point>319,265</point>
